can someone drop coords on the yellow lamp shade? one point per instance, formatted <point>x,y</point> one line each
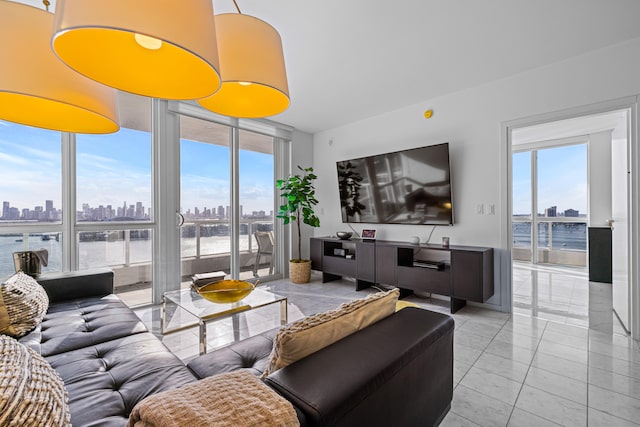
<point>254,79</point>
<point>36,89</point>
<point>158,48</point>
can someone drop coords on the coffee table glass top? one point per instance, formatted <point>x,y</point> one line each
<point>189,300</point>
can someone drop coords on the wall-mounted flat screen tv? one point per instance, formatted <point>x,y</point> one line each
<point>403,187</point>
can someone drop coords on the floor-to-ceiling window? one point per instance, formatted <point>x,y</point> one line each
<point>114,201</point>
<point>257,178</point>
<point>92,200</point>
<point>31,194</point>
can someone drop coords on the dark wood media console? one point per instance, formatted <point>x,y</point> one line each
<point>463,273</point>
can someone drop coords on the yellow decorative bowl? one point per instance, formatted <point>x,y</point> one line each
<point>226,291</point>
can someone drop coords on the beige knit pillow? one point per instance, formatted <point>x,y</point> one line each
<point>23,304</point>
<point>306,336</point>
<point>31,391</point>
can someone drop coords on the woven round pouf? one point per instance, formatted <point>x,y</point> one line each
<point>31,391</point>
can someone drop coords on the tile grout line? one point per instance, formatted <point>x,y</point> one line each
<point>527,374</point>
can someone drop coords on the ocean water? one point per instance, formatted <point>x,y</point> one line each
<point>564,236</point>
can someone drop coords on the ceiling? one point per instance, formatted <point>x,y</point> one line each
<point>615,121</point>
<point>352,59</point>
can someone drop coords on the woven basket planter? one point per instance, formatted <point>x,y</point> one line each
<point>300,272</point>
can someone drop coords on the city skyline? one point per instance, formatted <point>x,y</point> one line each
<point>136,211</point>
<point>116,167</point>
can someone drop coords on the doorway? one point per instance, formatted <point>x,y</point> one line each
<point>567,176</point>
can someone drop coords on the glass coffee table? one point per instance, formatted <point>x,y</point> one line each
<point>206,311</point>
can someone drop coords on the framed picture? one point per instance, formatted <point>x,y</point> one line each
<point>368,234</point>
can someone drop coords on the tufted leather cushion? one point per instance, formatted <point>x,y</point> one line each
<point>251,353</point>
<point>105,381</point>
<point>78,323</point>
<point>23,304</point>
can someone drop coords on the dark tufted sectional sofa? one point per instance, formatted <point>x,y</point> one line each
<point>397,372</point>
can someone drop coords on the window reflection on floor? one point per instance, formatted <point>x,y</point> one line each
<point>563,295</point>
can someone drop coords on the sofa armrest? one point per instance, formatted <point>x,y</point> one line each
<point>77,284</point>
<point>397,372</point>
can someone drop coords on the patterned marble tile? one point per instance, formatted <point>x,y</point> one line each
<point>521,418</point>
<point>492,385</point>
<point>561,366</point>
<point>615,404</point>
<point>454,420</point>
<point>557,384</point>
<point>601,419</point>
<point>551,407</point>
<point>615,382</point>
<point>480,408</point>
<point>507,368</point>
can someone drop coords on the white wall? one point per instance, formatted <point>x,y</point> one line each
<point>470,120</point>
<point>600,178</point>
<point>301,154</point>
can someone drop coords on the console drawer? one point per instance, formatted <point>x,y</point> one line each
<point>424,279</point>
<point>340,266</point>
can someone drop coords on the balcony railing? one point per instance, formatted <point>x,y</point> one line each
<point>560,240</point>
<point>205,245</point>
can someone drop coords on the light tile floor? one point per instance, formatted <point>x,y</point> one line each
<point>509,370</point>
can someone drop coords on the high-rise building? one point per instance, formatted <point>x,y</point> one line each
<point>551,212</point>
<point>572,213</point>
<point>5,210</point>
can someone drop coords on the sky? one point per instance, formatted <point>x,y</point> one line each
<point>562,179</point>
<point>115,168</point>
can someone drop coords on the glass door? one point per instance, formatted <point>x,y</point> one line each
<point>553,183</point>
<point>256,181</point>
<point>205,153</point>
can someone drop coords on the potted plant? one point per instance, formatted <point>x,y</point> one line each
<point>300,200</point>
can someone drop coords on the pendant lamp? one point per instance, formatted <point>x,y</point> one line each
<point>254,79</point>
<point>157,48</point>
<point>36,89</point>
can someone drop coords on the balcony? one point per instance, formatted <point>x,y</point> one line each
<point>561,241</point>
<point>205,247</point>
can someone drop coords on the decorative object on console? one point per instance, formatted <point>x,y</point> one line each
<point>368,235</point>
<point>23,305</point>
<point>226,291</point>
<point>30,389</point>
<point>415,240</point>
<point>340,252</point>
<point>445,242</point>
<point>299,193</point>
<point>344,235</point>
<point>310,334</point>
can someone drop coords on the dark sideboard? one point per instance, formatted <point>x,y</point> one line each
<point>463,273</point>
